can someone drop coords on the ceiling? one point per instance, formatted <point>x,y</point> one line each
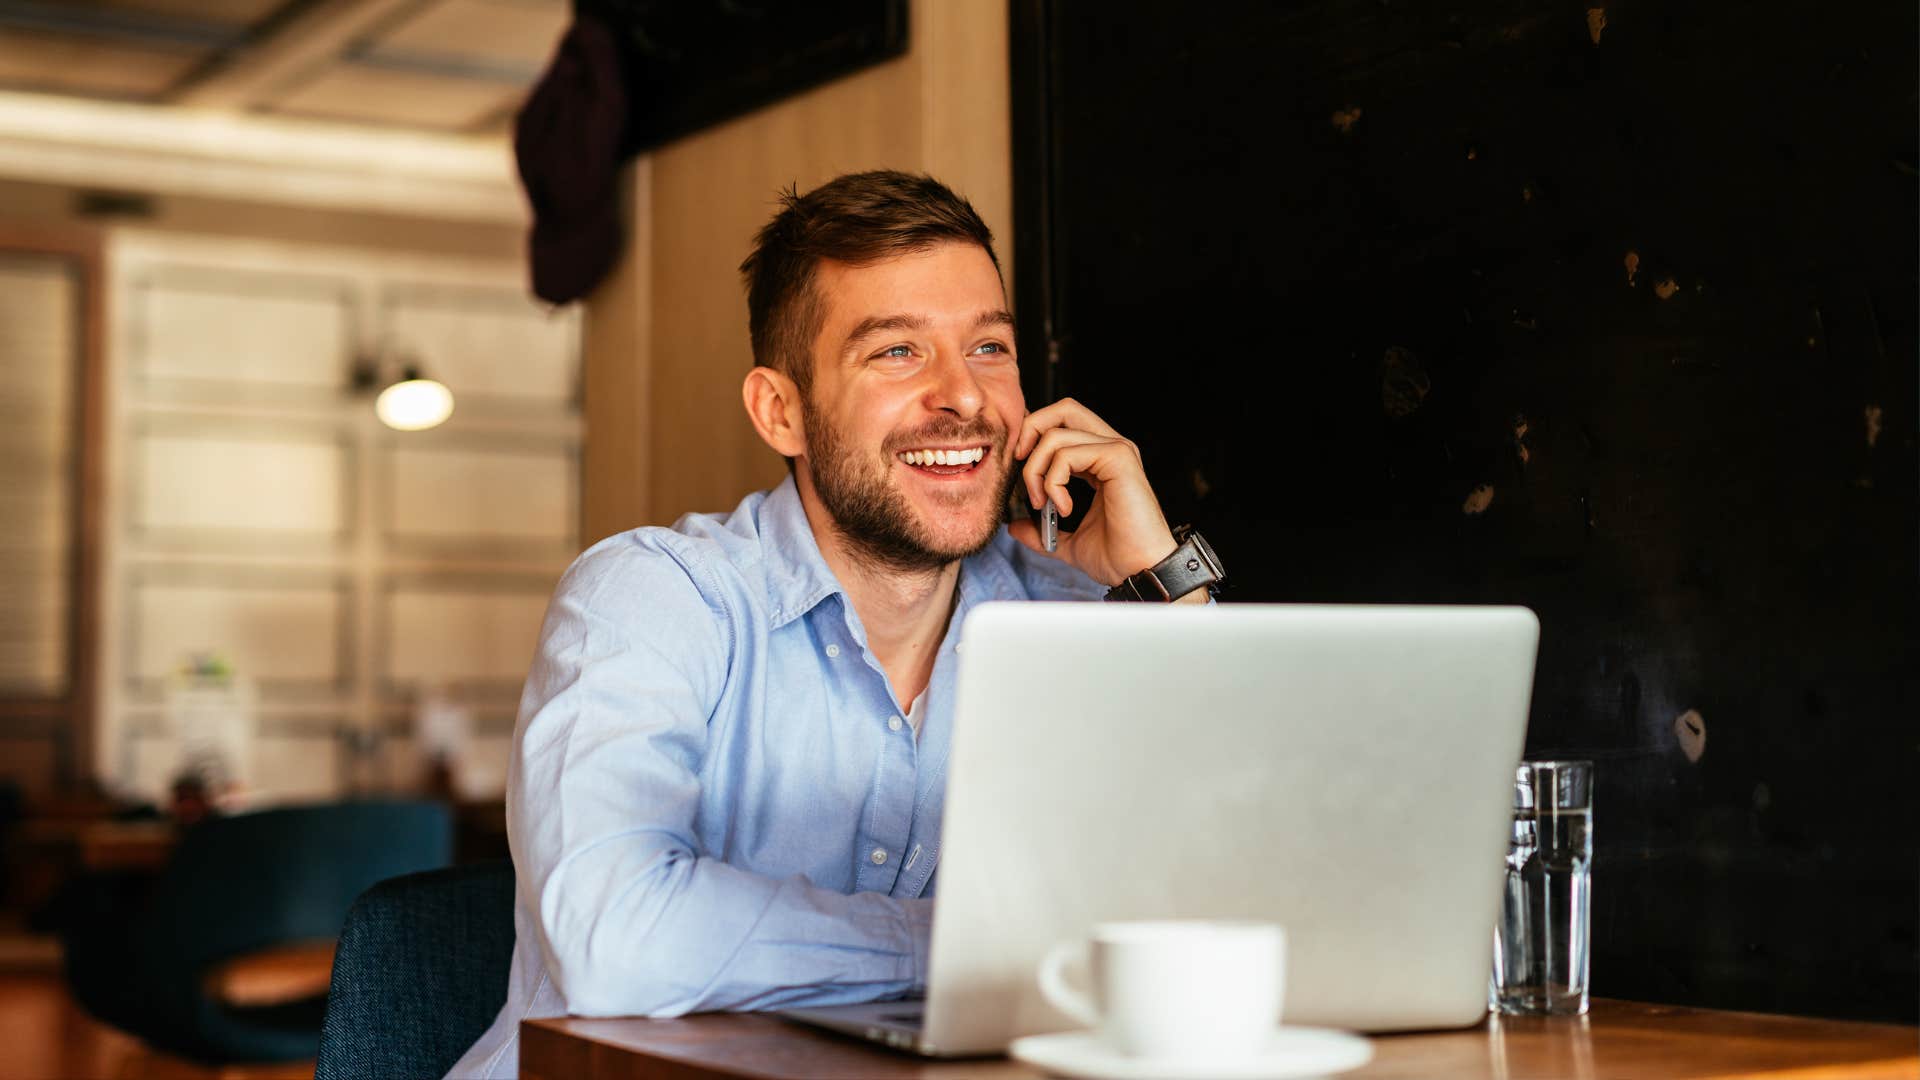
<point>456,66</point>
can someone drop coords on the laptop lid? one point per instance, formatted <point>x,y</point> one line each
<point>1345,771</point>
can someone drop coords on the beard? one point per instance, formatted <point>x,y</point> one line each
<point>874,516</point>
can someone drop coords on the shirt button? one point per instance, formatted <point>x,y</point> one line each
<point>893,723</point>
<point>833,651</point>
<point>879,856</point>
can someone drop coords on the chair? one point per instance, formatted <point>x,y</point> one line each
<point>148,962</point>
<point>420,973</point>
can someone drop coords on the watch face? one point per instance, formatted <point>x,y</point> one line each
<point>1206,552</point>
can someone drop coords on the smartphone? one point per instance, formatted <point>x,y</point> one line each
<point>1046,519</point>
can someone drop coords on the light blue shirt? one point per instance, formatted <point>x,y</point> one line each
<point>715,800</point>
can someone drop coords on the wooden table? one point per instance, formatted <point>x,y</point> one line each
<point>1618,1039</point>
<point>100,846</point>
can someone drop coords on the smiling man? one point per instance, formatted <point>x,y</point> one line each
<point>729,767</point>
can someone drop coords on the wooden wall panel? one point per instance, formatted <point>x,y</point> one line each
<point>616,484</point>
<point>39,333</point>
<point>711,192</point>
<point>941,108</point>
<point>34,644</point>
<point>965,109</point>
<point>51,404</point>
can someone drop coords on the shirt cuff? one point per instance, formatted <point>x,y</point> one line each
<point>919,914</point>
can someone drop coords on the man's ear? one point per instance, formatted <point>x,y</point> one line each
<point>773,404</point>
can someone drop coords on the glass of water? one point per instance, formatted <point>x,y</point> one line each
<point>1540,944</point>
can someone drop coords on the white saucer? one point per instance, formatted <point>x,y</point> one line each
<point>1294,1052</point>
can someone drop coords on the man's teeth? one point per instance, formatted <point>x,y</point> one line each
<point>944,457</point>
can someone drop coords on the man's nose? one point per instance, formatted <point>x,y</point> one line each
<point>954,387</point>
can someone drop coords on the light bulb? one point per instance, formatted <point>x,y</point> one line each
<point>414,405</point>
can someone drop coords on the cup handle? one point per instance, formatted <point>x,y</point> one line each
<point>1053,984</point>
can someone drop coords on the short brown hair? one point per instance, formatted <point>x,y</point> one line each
<point>858,218</point>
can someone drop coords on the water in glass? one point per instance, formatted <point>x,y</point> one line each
<point>1540,947</point>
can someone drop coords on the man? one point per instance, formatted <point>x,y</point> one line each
<point>729,767</point>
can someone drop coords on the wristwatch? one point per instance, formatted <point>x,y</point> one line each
<point>1192,565</point>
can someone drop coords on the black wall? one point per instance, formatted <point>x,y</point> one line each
<point>1337,264</point>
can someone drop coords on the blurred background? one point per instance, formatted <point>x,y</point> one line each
<point>241,580</point>
<point>1607,309</point>
<point>227,585</point>
<point>230,224</point>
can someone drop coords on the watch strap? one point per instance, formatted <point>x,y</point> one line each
<point>1192,565</point>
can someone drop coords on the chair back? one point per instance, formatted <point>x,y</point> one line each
<point>420,973</point>
<point>289,874</point>
<point>236,885</point>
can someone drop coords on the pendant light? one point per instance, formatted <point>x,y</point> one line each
<point>413,403</point>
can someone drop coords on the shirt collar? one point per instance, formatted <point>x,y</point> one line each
<point>798,577</point>
<point>985,575</point>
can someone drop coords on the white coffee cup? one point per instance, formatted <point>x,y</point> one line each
<point>1191,990</point>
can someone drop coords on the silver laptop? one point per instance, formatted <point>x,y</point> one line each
<point>1345,771</point>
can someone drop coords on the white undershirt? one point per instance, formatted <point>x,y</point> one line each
<point>916,712</point>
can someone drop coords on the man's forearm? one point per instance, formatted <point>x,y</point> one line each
<point>690,934</point>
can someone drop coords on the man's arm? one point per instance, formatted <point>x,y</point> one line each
<point>633,918</point>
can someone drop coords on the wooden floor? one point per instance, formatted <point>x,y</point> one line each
<point>45,1036</point>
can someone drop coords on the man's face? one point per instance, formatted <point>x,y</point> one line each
<point>915,355</point>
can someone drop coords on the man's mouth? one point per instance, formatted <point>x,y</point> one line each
<point>943,461</point>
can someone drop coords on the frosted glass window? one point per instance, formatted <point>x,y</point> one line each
<point>266,338</point>
<point>439,637</point>
<point>454,494</point>
<point>283,768</point>
<point>296,767</point>
<point>507,349</point>
<point>39,361</point>
<point>229,483</point>
<point>267,633</point>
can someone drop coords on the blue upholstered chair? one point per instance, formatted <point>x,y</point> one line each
<point>239,885</point>
<point>420,973</point>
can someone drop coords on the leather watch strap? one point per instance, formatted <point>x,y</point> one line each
<point>1192,565</point>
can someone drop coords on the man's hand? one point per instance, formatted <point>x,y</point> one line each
<point>1124,531</point>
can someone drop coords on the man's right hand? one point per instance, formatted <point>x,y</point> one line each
<point>1123,531</point>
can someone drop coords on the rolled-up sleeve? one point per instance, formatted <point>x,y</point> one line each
<point>633,918</point>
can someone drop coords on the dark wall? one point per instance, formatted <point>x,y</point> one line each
<point>1339,265</point>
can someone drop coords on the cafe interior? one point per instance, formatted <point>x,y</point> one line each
<point>334,330</point>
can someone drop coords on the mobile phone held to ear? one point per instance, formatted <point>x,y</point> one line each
<point>1046,519</point>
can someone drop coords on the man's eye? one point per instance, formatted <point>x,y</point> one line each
<point>898,352</point>
<point>992,347</point>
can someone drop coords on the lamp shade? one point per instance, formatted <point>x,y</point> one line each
<point>414,405</point>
